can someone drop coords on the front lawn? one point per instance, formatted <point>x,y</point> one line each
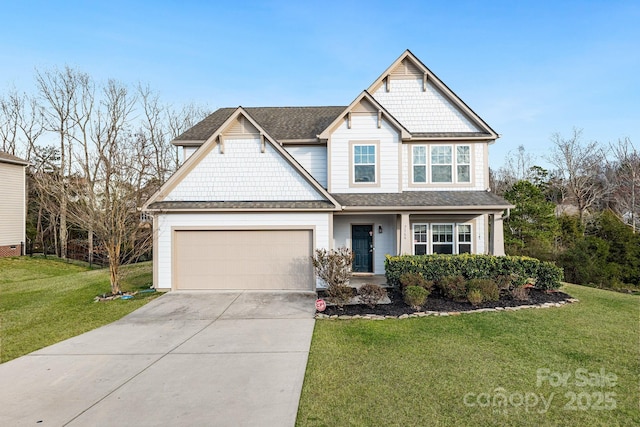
<point>43,301</point>
<point>444,371</point>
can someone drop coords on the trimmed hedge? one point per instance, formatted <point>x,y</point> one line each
<point>433,267</point>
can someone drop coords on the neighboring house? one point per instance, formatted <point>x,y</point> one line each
<point>403,169</point>
<point>12,205</point>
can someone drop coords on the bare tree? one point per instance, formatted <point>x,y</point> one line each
<point>59,92</point>
<point>580,166</point>
<point>626,169</point>
<point>109,200</point>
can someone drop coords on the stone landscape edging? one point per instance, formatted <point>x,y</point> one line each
<point>444,313</point>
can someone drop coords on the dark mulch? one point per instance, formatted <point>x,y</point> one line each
<point>436,303</point>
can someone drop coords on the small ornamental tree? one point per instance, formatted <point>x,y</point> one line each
<point>334,267</point>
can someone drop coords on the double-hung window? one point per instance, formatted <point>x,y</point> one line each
<point>419,163</point>
<point>420,239</point>
<point>442,236</point>
<point>364,163</point>
<point>464,238</point>
<point>463,163</point>
<point>441,163</point>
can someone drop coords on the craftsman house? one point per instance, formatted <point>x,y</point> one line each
<point>403,169</point>
<point>12,205</point>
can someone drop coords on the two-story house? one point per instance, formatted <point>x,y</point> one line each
<point>403,169</point>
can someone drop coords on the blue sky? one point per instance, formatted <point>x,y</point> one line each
<point>529,68</point>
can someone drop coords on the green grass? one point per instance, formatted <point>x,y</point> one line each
<point>417,372</point>
<point>44,301</point>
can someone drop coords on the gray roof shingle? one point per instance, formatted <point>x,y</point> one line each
<point>311,204</point>
<point>282,123</point>
<point>425,199</point>
<point>10,158</point>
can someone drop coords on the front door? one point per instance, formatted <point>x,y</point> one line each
<point>362,246</point>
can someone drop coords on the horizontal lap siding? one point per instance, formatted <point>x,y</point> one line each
<point>313,159</point>
<point>12,204</point>
<point>364,127</point>
<point>165,223</point>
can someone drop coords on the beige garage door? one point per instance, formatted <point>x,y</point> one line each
<point>243,259</point>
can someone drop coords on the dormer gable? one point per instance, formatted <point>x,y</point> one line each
<point>424,105</point>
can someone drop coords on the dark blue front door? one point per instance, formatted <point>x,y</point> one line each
<point>362,246</point>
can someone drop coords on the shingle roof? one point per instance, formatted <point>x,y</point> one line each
<point>424,199</point>
<point>10,158</point>
<point>282,123</point>
<point>312,204</point>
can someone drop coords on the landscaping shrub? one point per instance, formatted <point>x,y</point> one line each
<point>520,293</point>
<point>334,267</point>
<point>453,287</point>
<point>475,297</point>
<point>487,288</point>
<point>435,267</point>
<point>415,296</point>
<point>415,279</point>
<point>371,294</point>
<point>339,294</point>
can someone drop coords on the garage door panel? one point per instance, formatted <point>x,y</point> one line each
<point>243,259</point>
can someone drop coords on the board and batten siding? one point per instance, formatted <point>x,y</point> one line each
<point>313,159</point>
<point>243,172</point>
<point>165,223</point>
<point>364,128</point>
<point>12,204</point>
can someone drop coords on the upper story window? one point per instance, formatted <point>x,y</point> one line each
<point>441,164</point>
<point>364,163</point>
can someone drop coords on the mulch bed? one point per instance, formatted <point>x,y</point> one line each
<point>436,303</point>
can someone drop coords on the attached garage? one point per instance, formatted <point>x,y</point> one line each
<point>243,259</point>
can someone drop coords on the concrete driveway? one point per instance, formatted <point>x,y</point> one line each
<point>184,359</point>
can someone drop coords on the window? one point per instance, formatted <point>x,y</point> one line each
<point>442,236</point>
<point>464,238</point>
<point>463,162</point>
<point>441,164</point>
<point>364,163</point>
<point>420,239</point>
<point>419,163</point>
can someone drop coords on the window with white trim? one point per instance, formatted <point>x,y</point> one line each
<point>442,238</point>
<point>444,164</point>
<point>364,163</point>
<point>419,163</point>
<point>420,239</point>
<point>441,163</point>
<point>463,163</point>
<point>464,238</point>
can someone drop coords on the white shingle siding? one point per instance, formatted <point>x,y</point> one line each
<point>364,127</point>
<point>317,221</point>
<point>384,243</point>
<point>243,173</point>
<point>313,159</point>
<point>422,111</point>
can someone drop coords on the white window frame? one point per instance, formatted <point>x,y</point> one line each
<point>458,163</point>
<point>374,164</point>
<point>427,238</point>
<point>429,234</point>
<point>425,165</point>
<point>433,164</point>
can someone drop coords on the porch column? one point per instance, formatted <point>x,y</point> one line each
<point>405,234</point>
<point>498,234</point>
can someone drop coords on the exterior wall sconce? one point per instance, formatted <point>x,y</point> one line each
<point>380,229</point>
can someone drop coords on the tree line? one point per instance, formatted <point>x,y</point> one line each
<point>583,213</point>
<point>97,151</point>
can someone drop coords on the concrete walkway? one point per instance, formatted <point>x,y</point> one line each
<point>184,359</point>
